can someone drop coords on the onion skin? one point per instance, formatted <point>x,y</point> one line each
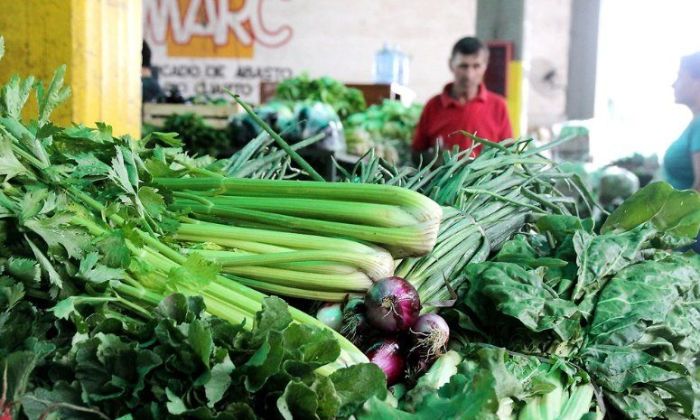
<point>431,334</point>
<point>331,314</point>
<point>355,327</point>
<point>392,305</point>
<point>387,355</point>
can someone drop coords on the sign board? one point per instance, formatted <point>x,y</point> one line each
<point>205,47</point>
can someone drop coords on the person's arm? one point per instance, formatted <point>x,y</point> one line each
<point>694,150</point>
<point>421,141</point>
<point>696,171</point>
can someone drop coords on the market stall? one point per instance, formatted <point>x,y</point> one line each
<point>296,258</point>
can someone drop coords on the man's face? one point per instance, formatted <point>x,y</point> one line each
<point>686,88</point>
<point>468,70</point>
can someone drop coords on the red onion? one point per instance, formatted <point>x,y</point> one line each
<point>431,333</point>
<point>392,304</point>
<point>387,355</point>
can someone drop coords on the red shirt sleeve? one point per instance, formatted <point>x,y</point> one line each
<point>420,138</point>
<point>506,129</point>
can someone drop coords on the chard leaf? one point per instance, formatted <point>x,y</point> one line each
<point>648,296</point>
<point>328,400</point>
<point>264,363</point>
<point>356,384</point>
<point>273,317</point>
<point>19,366</point>
<point>298,401</point>
<point>311,346</point>
<point>645,335</point>
<point>639,403</point>
<point>173,307</point>
<point>519,251</point>
<point>220,381</point>
<point>36,403</point>
<point>200,339</point>
<point>561,226</point>
<point>175,404</point>
<point>599,257</point>
<point>511,290</point>
<point>676,214</point>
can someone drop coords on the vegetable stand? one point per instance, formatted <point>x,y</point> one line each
<point>140,281</point>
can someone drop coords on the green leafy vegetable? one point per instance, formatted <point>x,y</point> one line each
<point>344,100</point>
<point>670,211</point>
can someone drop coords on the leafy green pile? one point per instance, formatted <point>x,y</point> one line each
<point>296,121</point>
<point>615,303</point>
<point>86,266</point>
<point>387,127</point>
<point>344,100</point>
<point>484,382</point>
<point>90,363</point>
<point>615,185</point>
<point>198,137</point>
<point>644,167</point>
<point>486,201</point>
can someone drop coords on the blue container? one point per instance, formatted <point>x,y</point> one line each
<point>386,65</point>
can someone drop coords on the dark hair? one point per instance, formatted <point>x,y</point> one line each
<point>691,64</point>
<point>145,55</point>
<point>468,45</point>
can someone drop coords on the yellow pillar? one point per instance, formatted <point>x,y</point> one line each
<point>99,41</point>
<point>515,96</point>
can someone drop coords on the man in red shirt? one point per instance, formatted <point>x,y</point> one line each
<point>465,104</point>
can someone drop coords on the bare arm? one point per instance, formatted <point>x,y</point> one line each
<point>696,171</point>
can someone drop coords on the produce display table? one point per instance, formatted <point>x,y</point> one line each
<point>374,93</point>
<point>216,116</point>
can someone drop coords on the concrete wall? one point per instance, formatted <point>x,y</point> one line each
<point>334,37</point>
<point>547,37</point>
